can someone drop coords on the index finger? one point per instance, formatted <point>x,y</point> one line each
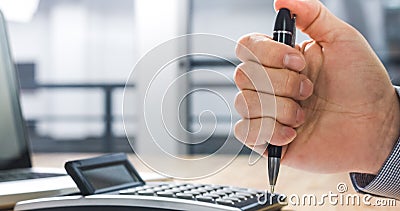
<point>262,49</point>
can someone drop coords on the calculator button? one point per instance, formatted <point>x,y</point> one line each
<point>205,198</point>
<point>148,186</point>
<point>221,194</point>
<point>200,190</point>
<point>208,188</point>
<point>146,192</point>
<point>225,202</point>
<point>157,189</point>
<point>243,198</point>
<point>165,194</point>
<point>174,191</point>
<point>198,186</point>
<point>212,195</point>
<point>173,185</point>
<point>164,186</point>
<point>227,192</point>
<point>193,192</point>
<point>130,191</point>
<point>244,194</point>
<point>184,196</point>
<point>184,188</point>
<point>234,199</point>
<point>216,187</point>
<point>254,193</point>
<point>234,189</point>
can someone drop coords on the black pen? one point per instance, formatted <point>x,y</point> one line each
<point>284,32</point>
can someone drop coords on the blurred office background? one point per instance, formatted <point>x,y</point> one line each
<point>74,56</point>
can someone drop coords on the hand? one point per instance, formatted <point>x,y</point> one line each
<point>336,109</point>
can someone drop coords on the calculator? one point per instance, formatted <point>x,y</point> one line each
<point>111,182</point>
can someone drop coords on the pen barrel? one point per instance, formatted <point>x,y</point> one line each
<point>285,37</point>
<point>285,27</point>
<point>284,32</point>
<point>274,151</point>
<point>273,169</point>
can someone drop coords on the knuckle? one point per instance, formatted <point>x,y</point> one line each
<point>239,76</point>
<point>289,112</point>
<point>255,133</point>
<point>279,137</point>
<point>290,83</point>
<point>238,130</point>
<point>244,133</point>
<point>240,104</point>
<point>242,43</point>
<point>253,103</point>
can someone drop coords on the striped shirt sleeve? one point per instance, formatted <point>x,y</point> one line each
<point>387,182</point>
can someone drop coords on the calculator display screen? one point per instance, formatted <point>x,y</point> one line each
<point>109,176</point>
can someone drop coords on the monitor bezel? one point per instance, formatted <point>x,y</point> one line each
<point>23,159</point>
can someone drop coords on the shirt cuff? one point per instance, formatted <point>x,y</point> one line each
<point>387,182</point>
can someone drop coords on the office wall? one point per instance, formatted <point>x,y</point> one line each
<point>93,41</point>
<point>75,42</point>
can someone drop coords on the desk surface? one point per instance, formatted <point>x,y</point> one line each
<point>291,182</point>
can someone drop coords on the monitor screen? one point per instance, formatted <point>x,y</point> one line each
<point>13,146</point>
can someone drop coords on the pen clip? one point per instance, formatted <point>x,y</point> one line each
<point>294,31</point>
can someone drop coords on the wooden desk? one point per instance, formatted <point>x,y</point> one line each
<point>239,173</point>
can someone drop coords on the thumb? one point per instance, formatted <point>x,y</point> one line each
<point>314,19</point>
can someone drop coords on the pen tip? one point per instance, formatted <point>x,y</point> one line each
<point>272,189</point>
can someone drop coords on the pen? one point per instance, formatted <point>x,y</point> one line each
<point>284,32</point>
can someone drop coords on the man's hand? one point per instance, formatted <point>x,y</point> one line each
<point>336,109</point>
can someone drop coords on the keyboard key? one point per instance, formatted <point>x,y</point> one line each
<point>14,176</point>
<point>225,202</point>
<point>184,196</point>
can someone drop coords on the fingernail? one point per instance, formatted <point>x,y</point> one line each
<point>306,88</point>
<point>289,132</point>
<point>300,116</point>
<point>294,62</point>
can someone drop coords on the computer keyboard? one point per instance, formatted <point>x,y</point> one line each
<point>242,198</point>
<point>15,176</point>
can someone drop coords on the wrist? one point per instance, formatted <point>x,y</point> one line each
<point>389,133</point>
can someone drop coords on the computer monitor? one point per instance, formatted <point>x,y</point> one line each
<point>14,147</point>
